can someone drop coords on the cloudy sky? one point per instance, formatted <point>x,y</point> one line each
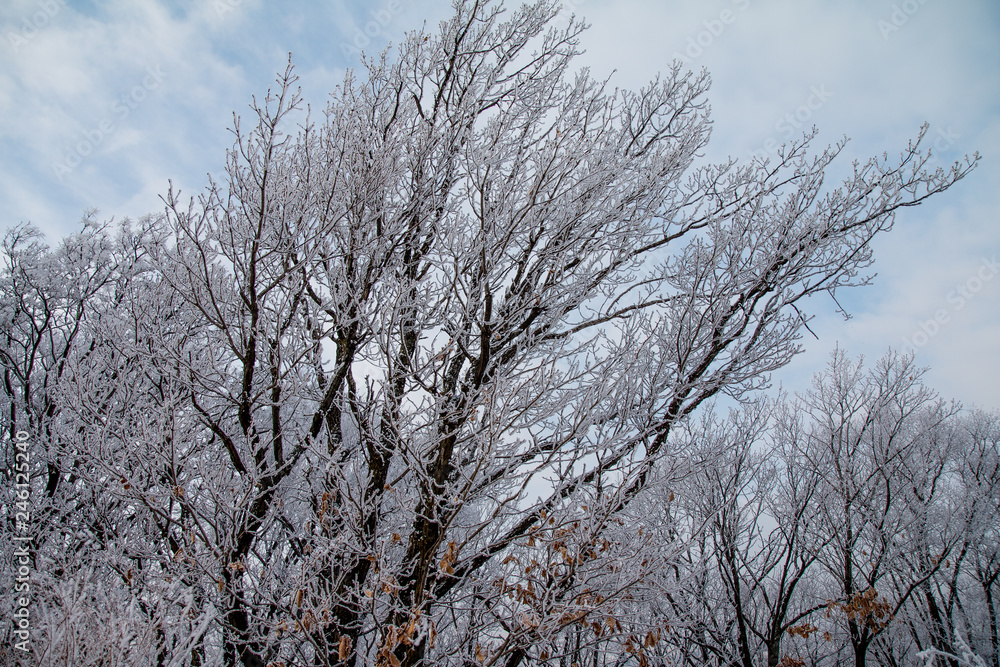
<point>102,102</point>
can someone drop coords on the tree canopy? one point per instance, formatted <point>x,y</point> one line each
<point>417,383</point>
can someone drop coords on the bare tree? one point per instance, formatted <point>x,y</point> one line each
<point>764,568</point>
<point>980,471</point>
<point>335,403</point>
<point>877,444</point>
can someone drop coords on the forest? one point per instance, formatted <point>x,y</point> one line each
<point>471,369</point>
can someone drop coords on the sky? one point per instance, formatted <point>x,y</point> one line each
<point>103,103</point>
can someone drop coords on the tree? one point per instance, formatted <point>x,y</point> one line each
<point>980,472</point>
<point>384,395</point>
<point>882,445</point>
<point>767,541</point>
<point>832,527</point>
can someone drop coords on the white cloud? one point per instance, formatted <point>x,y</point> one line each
<point>766,60</point>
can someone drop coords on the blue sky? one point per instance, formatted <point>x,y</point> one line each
<point>102,102</point>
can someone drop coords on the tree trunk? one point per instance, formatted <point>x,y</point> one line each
<point>994,639</point>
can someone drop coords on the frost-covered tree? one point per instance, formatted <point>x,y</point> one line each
<point>882,443</point>
<point>388,394</point>
<point>851,524</point>
<point>977,603</point>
